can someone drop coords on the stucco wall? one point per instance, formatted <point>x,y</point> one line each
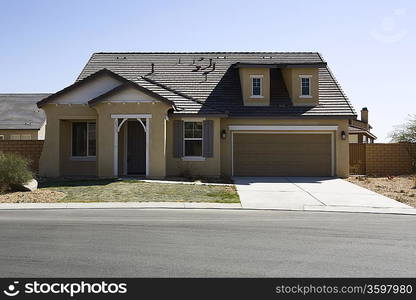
<point>245,81</point>
<point>292,81</point>
<point>211,166</point>
<point>341,146</point>
<point>70,166</point>
<point>105,137</point>
<point>50,165</point>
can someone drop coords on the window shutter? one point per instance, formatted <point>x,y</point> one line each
<point>208,141</point>
<point>178,138</point>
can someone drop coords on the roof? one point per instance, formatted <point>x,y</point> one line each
<point>208,82</point>
<point>356,130</point>
<point>19,111</point>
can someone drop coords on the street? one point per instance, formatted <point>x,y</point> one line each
<point>204,243</point>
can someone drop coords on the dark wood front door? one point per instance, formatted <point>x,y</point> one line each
<point>136,148</point>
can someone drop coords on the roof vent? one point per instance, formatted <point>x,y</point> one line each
<point>121,57</point>
<point>221,57</point>
<point>197,68</point>
<point>267,57</point>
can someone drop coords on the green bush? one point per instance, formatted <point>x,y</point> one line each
<point>14,170</point>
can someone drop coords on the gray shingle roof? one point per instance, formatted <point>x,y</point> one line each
<point>19,111</point>
<point>206,90</point>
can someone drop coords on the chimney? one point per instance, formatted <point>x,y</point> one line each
<point>153,68</point>
<point>364,115</point>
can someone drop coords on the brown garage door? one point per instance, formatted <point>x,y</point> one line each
<point>282,154</point>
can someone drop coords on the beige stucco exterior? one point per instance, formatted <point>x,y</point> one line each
<point>56,159</point>
<point>246,84</point>
<point>210,166</point>
<point>292,80</point>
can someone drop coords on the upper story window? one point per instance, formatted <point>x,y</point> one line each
<point>193,139</point>
<point>305,86</point>
<point>256,85</point>
<point>83,139</point>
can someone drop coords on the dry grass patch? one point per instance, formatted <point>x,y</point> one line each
<point>124,191</point>
<point>400,188</point>
<point>38,196</point>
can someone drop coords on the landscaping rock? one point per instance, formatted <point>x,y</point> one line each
<point>30,186</point>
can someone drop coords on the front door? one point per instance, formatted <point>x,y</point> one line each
<point>136,148</point>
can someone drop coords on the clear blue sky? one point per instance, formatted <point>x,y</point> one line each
<point>370,45</point>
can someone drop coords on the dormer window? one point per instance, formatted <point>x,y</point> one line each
<point>256,86</point>
<point>305,86</point>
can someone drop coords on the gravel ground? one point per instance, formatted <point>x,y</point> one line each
<point>400,188</point>
<point>38,196</point>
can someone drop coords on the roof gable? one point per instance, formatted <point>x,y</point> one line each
<point>130,85</point>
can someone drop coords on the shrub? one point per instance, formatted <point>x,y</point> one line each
<point>14,170</point>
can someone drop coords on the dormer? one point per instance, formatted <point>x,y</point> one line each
<point>300,80</point>
<point>255,85</point>
<point>302,85</point>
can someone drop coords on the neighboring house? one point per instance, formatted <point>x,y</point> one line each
<point>20,118</point>
<point>204,114</point>
<point>359,130</point>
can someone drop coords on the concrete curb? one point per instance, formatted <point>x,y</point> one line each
<point>361,209</point>
<point>200,205</point>
<point>106,205</point>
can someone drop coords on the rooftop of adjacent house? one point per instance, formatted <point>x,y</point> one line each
<point>19,111</point>
<point>208,82</point>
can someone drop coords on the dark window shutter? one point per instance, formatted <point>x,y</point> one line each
<point>208,141</point>
<point>178,138</point>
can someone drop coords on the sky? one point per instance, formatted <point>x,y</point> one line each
<point>369,45</point>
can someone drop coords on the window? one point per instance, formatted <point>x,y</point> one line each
<point>83,139</point>
<point>305,86</point>
<point>15,137</point>
<point>193,138</point>
<point>256,85</point>
<point>2,137</point>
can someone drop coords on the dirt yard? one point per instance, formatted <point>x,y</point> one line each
<point>38,196</point>
<point>401,188</point>
<point>102,190</point>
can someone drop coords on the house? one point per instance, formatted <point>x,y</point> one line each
<point>206,114</point>
<point>20,118</point>
<point>359,130</point>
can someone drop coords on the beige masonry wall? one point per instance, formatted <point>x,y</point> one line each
<point>210,167</point>
<point>341,146</point>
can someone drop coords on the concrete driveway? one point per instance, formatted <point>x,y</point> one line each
<point>311,193</point>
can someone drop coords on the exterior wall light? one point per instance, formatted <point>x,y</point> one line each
<point>223,134</point>
<point>343,135</point>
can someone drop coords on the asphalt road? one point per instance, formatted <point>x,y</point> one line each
<point>204,243</point>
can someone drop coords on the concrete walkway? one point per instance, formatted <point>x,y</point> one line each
<point>313,193</point>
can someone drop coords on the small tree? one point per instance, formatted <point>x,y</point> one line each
<point>406,133</point>
<point>14,170</point>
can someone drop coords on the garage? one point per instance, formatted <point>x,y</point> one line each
<point>282,154</point>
